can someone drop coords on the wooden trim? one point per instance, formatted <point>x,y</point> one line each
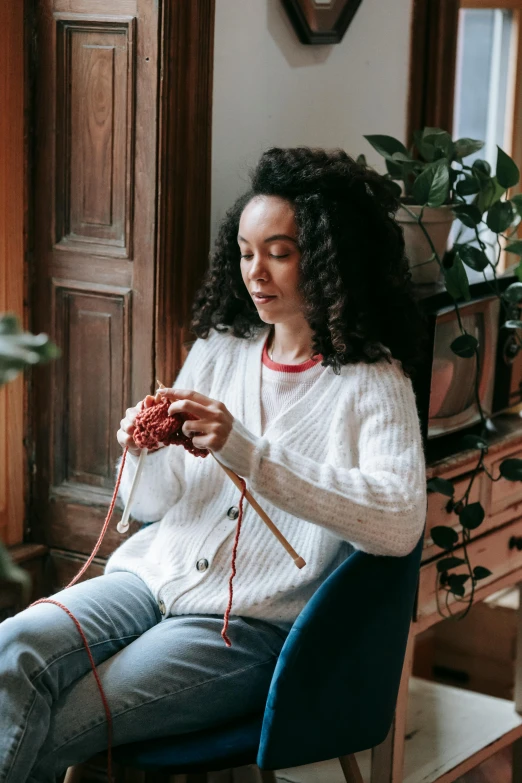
<point>184,174</point>
<point>12,253</point>
<point>433,52</point>
<point>490,4</point>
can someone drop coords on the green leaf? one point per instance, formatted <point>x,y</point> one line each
<point>513,293</point>
<point>517,202</point>
<point>441,140</point>
<point>473,442</point>
<point>518,271</point>
<point>481,168</point>
<point>468,186</point>
<point>394,169</point>
<point>473,257</point>
<point>472,516</point>
<point>464,346</point>
<point>512,324</point>
<point>500,216</point>
<point>465,147</point>
<point>441,485</point>
<point>456,583</point>
<point>514,247</point>
<point>507,170</point>
<point>456,280</point>
<point>449,562</point>
<point>432,185</point>
<point>387,146</point>
<point>361,160</point>
<point>511,469</point>
<point>444,537</point>
<point>479,572</point>
<point>469,214</point>
<point>490,193</point>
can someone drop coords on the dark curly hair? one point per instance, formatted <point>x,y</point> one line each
<point>354,275</point>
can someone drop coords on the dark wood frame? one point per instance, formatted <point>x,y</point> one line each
<point>433,54</point>
<point>307,35</point>
<point>184,155</point>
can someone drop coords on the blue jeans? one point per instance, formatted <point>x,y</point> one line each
<point>161,675</point>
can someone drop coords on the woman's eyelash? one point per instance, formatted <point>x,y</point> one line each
<point>249,255</point>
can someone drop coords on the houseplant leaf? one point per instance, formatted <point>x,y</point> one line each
<point>500,216</point>
<point>513,293</point>
<point>511,469</point>
<point>468,186</point>
<point>449,562</point>
<point>469,214</point>
<point>465,147</point>
<point>456,280</point>
<point>444,537</point>
<point>441,485</point>
<point>387,146</point>
<point>514,247</point>
<point>490,192</point>
<point>456,583</point>
<point>464,346</point>
<point>432,185</point>
<point>472,516</point>
<point>507,170</point>
<point>479,572</point>
<point>473,257</point>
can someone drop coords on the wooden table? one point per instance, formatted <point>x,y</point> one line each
<point>441,732</point>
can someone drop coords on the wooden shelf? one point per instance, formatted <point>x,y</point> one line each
<point>449,731</point>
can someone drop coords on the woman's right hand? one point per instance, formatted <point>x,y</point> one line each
<point>127,425</point>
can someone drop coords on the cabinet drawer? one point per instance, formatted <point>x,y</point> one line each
<point>505,497</point>
<point>437,513</point>
<point>491,551</point>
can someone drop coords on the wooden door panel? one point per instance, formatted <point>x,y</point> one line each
<point>91,385</point>
<point>96,77</point>
<point>95,226</point>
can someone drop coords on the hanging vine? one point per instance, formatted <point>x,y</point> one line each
<point>434,175</point>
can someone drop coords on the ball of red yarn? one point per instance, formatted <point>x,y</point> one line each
<point>154,425</point>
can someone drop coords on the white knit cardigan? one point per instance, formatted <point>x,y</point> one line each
<point>341,468</point>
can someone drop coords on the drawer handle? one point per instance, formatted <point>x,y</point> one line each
<point>515,542</point>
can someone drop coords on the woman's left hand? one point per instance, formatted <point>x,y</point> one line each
<point>213,421</point>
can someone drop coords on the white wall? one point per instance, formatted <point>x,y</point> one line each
<point>271,90</point>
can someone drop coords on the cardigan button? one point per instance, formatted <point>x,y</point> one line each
<point>202,564</point>
<point>162,607</point>
<point>233,512</point>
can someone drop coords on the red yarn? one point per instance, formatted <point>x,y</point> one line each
<point>153,426</point>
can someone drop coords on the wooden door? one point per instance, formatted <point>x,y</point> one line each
<point>103,105</point>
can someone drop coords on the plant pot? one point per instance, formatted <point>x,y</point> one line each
<point>437,221</point>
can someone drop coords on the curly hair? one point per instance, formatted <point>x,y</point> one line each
<point>354,275</point>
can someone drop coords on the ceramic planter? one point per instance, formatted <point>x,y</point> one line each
<point>437,222</point>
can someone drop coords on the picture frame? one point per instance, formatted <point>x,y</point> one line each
<point>321,21</point>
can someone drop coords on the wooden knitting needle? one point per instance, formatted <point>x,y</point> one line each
<point>298,560</point>
<point>123,524</point>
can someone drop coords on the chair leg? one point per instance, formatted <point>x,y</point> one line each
<point>350,768</point>
<point>73,774</point>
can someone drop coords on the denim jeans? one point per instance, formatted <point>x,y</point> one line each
<point>161,675</point>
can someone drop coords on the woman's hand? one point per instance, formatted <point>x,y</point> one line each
<point>127,425</point>
<point>213,421</point>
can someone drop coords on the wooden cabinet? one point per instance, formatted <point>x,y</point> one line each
<point>441,732</point>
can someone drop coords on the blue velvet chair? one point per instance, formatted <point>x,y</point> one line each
<point>334,688</point>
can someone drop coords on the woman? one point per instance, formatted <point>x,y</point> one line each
<point>300,382</point>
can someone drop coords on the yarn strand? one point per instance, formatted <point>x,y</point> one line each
<point>233,569</point>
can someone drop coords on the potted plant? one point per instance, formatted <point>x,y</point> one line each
<point>435,181</point>
<point>439,179</point>
<point>18,350</point>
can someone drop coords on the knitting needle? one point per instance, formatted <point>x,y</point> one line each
<point>123,524</point>
<point>298,560</point>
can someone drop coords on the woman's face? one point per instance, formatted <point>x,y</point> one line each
<point>270,258</point>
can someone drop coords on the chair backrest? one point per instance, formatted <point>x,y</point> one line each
<point>336,682</point>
